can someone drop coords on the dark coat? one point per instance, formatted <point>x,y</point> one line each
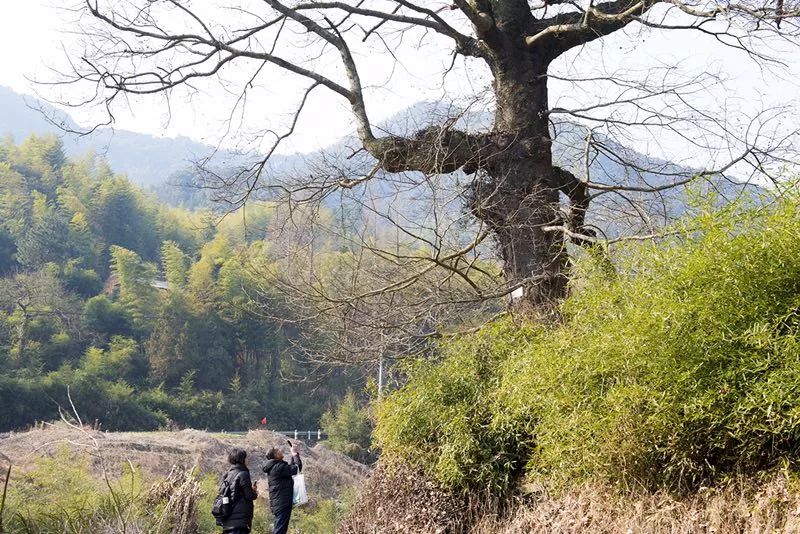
<point>242,497</point>
<point>281,485</point>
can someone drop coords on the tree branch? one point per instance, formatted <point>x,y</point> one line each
<point>465,45</point>
<point>565,31</point>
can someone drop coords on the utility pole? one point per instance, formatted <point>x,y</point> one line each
<point>380,376</point>
<point>381,354</point>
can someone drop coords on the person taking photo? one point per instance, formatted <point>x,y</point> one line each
<point>281,486</point>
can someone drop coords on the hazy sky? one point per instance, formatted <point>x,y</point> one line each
<point>33,33</point>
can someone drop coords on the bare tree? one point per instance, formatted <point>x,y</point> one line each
<point>504,171</point>
<point>33,295</point>
<point>360,293</point>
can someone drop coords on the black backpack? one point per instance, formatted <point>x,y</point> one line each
<point>223,502</point>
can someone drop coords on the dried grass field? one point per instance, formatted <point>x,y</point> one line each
<point>68,479</point>
<point>155,453</point>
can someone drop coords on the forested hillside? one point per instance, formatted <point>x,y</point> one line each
<point>148,315</point>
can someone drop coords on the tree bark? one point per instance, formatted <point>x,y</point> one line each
<point>516,187</point>
<point>517,192</point>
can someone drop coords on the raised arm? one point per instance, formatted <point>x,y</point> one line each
<point>297,464</point>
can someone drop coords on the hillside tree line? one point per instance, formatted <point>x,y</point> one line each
<point>147,314</point>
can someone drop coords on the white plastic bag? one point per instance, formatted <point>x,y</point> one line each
<point>299,495</point>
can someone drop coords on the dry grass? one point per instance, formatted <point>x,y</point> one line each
<point>744,506</point>
<point>402,501</point>
<point>180,494</point>
<point>395,503</point>
<point>328,473</point>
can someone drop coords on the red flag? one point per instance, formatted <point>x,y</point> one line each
<point>264,421</point>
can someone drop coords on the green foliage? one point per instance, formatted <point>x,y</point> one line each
<point>123,218</point>
<point>211,410</point>
<point>440,418</point>
<point>175,264</point>
<point>41,158</point>
<point>185,340</point>
<point>48,240</point>
<point>122,360</point>
<point>349,429</point>
<point>106,318</point>
<point>8,251</point>
<point>322,517</point>
<point>136,292</point>
<point>83,282</point>
<point>43,489</point>
<point>36,310</point>
<point>681,369</point>
<point>62,495</point>
<point>45,153</point>
<point>16,201</point>
<point>83,306</point>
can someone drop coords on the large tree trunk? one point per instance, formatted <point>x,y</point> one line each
<point>516,187</point>
<point>517,191</point>
<point>533,258</point>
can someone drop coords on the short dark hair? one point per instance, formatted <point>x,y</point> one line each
<point>237,456</point>
<point>271,453</point>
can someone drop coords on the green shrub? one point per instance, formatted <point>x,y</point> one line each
<point>57,483</point>
<point>681,368</point>
<point>349,429</point>
<point>321,517</point>
<point>69,494</point>
<point>61,494</point>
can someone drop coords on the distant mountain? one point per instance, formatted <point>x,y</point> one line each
<point>164,164</point>
<point>647,206</point>
<point>147,160</point>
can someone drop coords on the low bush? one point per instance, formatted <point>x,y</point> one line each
<point>320,517</point>
<point>63,494</point>
<point>680,366</point>
<point>349,429</point>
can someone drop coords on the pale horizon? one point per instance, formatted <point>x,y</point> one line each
<point>39,32</point>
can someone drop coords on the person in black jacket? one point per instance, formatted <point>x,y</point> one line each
<point>243,493</point>
<point>281,485</point>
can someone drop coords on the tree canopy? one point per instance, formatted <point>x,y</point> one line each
<point>514,192</point>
